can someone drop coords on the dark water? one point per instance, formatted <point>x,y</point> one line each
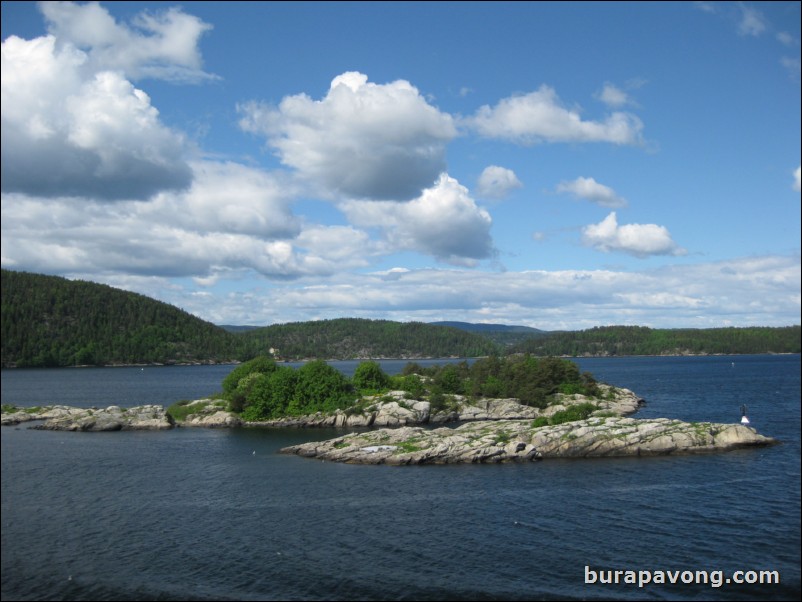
<point>195,514</point>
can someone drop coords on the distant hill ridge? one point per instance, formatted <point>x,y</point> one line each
<point>640,340</point>
<point>481,327</point>
<point>236,329</point>
<point>504,335</point>
<point>604,341</point>
<point>355,338</point>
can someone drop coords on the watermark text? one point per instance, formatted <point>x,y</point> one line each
<point>643,578</point>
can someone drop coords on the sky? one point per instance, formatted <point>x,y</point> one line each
<point>559,165</point>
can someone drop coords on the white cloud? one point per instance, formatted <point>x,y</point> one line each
<point>540,117</point>
<point>613,96</point>
<point>235,218</point>
<point>797,176</point>
<point>640,240</point>
<point>363,140</point>
<point>792,65</point>
<point>707,7</point>
<point>589,189</point>
<point>229,198</point>
<point>443,222</point>
<point>79,133</point>
<point>752,22</point>
<point>786,39</point>
<point>497,182</point>
<point>133,244</point>
<point>338,247</point>
<point>162,44</point>
<point>751,291</point>
<point>232,218</point>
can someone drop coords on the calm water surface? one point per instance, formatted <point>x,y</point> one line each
<point>196,514</point>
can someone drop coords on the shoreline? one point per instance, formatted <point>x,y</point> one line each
<point>481,431</point>
<point>409,359</point>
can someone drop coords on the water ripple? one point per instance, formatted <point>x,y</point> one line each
<point>195,515</point>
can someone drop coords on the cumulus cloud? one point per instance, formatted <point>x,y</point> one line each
<point>752,22</point>
<point>161,44</point>
<point>540,117</point>
<point>590,190</point>
<point>233,218</point>
<point>229,198</point>
<point>497,182</point>
<point>640,240</point>
<point>444,222</point>
<point>362,140</point>
<point>796,184</point>
<point>130,242</point>
<point>78,133</point>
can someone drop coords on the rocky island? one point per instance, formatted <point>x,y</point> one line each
<point>112,418</point>
<point>522,441</point>
<point>504,430</point>
<point>487,431</point>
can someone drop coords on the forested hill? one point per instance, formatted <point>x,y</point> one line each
<point>348,338</point>
<point>52,321</point>
<point>640,340</point>
<point>502,334</point>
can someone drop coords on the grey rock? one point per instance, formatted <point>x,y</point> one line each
<point>112,418</point>
<point>209,413</point>
<point>520,441</point>
<point>217,419</point>
<point>394,410</point>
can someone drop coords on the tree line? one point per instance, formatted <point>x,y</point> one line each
<point>49,321</point>
<point>640,340</point>
<point>355,338</point>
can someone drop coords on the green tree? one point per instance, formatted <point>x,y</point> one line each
<point>449,379</point>
<point>239,382</point>
<point>370,376</point>
<point>411,384</point>
<point>320,388</point>
<point>271,394</point>
<point>260,364</point>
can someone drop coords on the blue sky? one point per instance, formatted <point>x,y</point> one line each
<point>557,165</point>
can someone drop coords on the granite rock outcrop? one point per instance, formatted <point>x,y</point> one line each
<point>521,441</point>
<point>112,418</point>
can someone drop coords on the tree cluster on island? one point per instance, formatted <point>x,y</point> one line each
<point>261,389</point>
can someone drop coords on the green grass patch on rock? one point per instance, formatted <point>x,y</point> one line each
<point>181,409</point>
